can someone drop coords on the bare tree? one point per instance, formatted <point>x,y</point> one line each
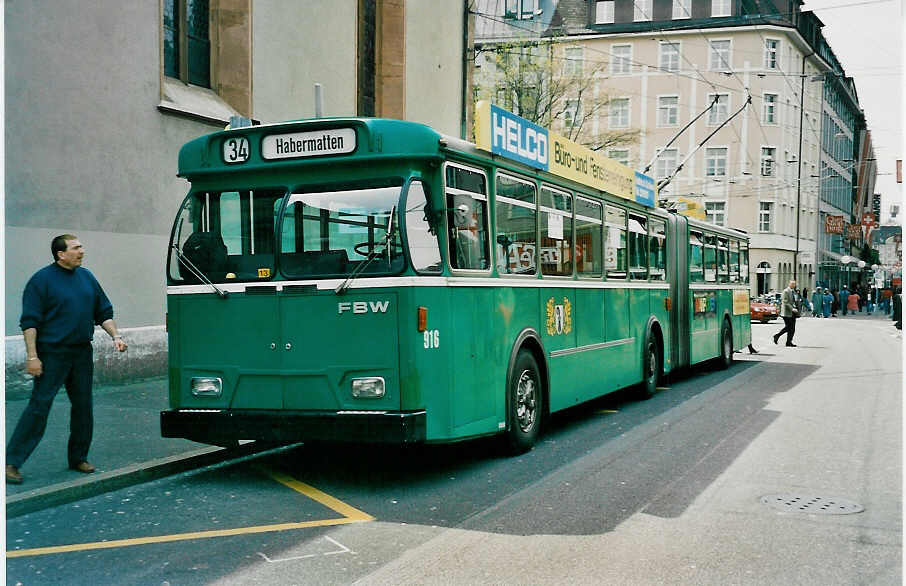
<point>548,84</point>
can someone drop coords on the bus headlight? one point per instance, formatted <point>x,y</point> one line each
<point>368,388</point>
<point>206,386</point>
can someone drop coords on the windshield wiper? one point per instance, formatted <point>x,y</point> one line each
<point>197,272</point>
<point>342,287</point>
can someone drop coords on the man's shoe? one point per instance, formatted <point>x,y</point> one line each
<point>776,338</point>
<point>791,345</point>
<point>12,475</point>
<point>83,467</point>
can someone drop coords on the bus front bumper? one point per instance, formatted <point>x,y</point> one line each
<point>226,427</point>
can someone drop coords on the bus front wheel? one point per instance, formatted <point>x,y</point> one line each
<point>524,403</point>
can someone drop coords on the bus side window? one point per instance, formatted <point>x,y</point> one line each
<point>744,262</point>
<point>734,261</point>
<point>723,260</point>
<point>515,236</point>
<point>467,206</point>
<point>588,238</point>
<point>422,240</point>
<point>638,247</point>
<point>556,232</point>
<point>710,258</point>
<point>696,258</point>
<point>615,242</point>
<point>657,246</point>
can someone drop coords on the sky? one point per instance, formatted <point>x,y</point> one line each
<point>867,37</point>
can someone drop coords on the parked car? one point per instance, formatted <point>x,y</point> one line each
<point>763,311</point>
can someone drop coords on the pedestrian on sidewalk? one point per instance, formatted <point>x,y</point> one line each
<point>898,309</point>
<point>60,306</point>
<point>835,302</point>
<point>789,311</point>
<point>869,301</point>
<point>853,302</point>
<point>817,302</point>
<point>827,303</point>
<point>844,299</point>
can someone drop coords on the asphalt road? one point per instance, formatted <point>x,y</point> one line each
<point>618,491</point>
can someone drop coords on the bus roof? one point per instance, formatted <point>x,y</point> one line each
<point>286,144</point>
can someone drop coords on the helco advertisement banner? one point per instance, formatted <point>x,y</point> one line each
<point>503,133</point>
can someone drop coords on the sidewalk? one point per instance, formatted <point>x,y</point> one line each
<point>127,448</point>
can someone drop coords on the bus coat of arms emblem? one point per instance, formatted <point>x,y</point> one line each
<point>559,317</point>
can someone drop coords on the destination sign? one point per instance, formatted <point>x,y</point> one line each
<point>335,141</point>
<point>503,133</point>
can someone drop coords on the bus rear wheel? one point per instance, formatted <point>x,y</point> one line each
<point>726,346</point>
<point>525,404</point>
<point>651,369</point>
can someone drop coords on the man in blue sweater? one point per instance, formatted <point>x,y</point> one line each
<point>60,306</point>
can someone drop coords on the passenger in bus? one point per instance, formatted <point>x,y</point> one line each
<point>465,237</point>
<point>60,306</point>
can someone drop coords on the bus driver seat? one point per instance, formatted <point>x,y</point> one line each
<point>207,253</point>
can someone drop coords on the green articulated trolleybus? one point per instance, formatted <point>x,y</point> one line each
<point>371,280</point>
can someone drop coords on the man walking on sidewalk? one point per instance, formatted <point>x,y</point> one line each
<point>789,311</point>
<point>60,306</point>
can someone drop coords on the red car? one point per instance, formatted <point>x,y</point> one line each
<point>761,311</point>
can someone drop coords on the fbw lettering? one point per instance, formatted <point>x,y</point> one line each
<point>363,306</point>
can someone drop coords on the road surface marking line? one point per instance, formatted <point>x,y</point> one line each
<point>350,515</point>
<point>176,537</point>
<point>343,549</point>
<point>314,494</point>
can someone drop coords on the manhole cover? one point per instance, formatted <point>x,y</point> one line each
<point>811,504</point>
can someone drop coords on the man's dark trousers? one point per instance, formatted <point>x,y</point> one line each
<point>789,327</point>
<point>72,366</point>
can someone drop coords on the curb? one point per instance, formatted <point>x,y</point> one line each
<point>96,484</point>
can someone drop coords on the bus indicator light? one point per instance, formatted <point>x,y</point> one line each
<point>422,319</point>
<point>667,303</point>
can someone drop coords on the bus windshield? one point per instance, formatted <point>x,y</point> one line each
<point>223,236</point>
<point>331,233</point>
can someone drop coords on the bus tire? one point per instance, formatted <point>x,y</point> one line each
<point>525,406</point>
<point>726,346</point>
<point>651,369</point>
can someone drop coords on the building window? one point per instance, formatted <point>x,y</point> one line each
<point>720,111</point>
<point>619,155</point>
<point>521,9</point>
<point>642,10</point>
<point>667,110</point>
<point>716,212</point>
<point>771,49</point>
<point>719,59</point>
<point>604,12</point>
<point>572,115</point>
<point>720,8</point>
<point>765,216</point>
<point>768,157</point>
<point>716,161</point>
<point>621,61</point>
<point>619,113</point>
<point>682,9</point>
<point>669,56</point>
<point>769,109</point>
<point>666,163</point>
<point>572,62</point>
<point>187,44</point>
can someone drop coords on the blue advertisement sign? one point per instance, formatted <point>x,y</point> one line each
<point>517,138</point>
<point>644,189</point>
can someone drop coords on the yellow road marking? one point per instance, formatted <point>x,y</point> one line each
<point>350,515</point>
<point>663,388</point>
<point>604,411</point>
<point>314,494</point>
